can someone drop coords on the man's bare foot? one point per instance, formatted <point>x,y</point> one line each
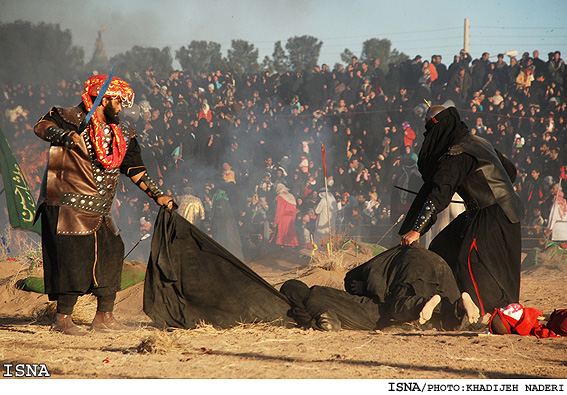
<point>357,287</point>
<point>427,311</point>
<point>472,311</point>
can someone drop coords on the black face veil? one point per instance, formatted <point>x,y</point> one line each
<point>442,131</point>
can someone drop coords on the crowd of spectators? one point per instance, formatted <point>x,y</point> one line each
<point>247,133</point>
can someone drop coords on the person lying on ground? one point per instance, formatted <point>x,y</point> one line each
<point>403,284</point>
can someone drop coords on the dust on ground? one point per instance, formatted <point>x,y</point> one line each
<point>262,351</point>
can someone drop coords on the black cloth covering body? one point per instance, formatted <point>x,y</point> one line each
<point>224,228</point>
<point>402,279</point>
<point>397,284</point>
<point>344,310</point>
<point>192,279</point>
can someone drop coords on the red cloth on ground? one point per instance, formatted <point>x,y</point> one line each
<point>524,321</point>
<point>558,322</point>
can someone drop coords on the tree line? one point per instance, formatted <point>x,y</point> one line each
<point>36,53</point>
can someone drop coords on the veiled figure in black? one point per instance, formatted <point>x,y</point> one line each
<point>483,245</point>
<point>224,228</point>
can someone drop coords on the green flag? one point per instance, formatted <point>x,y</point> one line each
<point>21,204</point>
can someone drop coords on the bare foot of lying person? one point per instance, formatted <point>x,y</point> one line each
<point>472,311</point>
<point>486,318</point>
<point>357,287</point>
<point>328,321</point>
<point>427,311</point>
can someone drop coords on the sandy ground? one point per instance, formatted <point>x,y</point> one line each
<point>267,352</point>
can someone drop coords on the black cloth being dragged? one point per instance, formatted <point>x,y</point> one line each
<point>345,311</point>
<point>192,279</point>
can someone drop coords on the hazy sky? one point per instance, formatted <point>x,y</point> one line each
<point>414,27</point>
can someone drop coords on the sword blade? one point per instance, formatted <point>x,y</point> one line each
<point>415,193</point>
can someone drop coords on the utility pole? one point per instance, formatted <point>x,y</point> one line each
<point>466,40</point>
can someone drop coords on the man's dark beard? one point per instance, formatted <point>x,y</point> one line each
<point>110,115</point>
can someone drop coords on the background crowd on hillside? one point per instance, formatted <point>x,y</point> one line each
<point>249,134</point>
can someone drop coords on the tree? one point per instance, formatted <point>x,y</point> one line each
<point>347,55</point>
<point>38,53</point>
<point>200,57</point>
<point>377,49</point>
<point>303,52</point>
<point>338,66</point>
<point>280,61</point>
<point>397,57</point>
<point>382,49</point>
<point>243,57</point>
<point>139,59</point>
<point>267,64</point>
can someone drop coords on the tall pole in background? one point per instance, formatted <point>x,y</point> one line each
<point>329,244</point>
<point>466,40</point>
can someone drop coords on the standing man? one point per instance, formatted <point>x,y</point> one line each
<point>191,208</point>
<point>82,250</point>
<point>483,245</point>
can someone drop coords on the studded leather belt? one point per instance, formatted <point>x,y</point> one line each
<point>94,204</point>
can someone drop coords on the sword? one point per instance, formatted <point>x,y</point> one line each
<point>98,99</point>
<point>144,237</point>
<point>415,193</point>
<point>392,227</point>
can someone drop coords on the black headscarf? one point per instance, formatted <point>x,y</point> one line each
<point>297,293</point>
<point>442,131</point>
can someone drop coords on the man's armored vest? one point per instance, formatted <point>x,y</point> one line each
<point>78,183</point>
<point>489,184</point>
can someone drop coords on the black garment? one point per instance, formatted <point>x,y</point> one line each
<point>406,177</point>
<point>402,279</point>
<point>444,130</point>
<point>484,252</point>
<point>77,265</point>
<point>491,180</point>
<point>442,78</point>
<point>191,278</point>
<point>345,311</point>
<point>480,68</point>
<point>224,228</point>
<point>397,285</point>
<point>483,245</point>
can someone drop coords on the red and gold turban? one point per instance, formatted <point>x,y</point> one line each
<point>117,89</point>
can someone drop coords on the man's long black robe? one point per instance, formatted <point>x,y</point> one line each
<point>344,310</point>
